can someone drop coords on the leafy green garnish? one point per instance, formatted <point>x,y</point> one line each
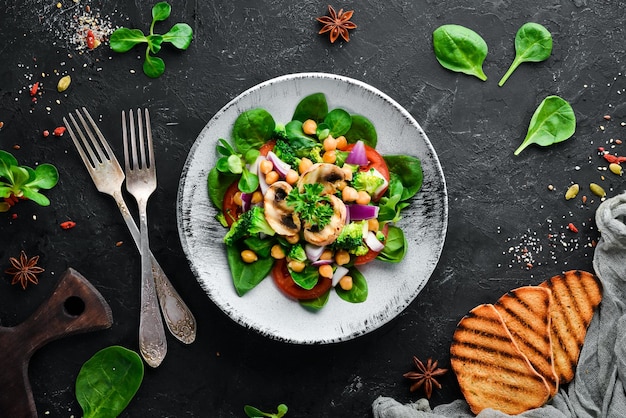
<point>358,292</point>
<point>108,381</point>
<point>232,162</point>
<point>553,121</point>
<point>533,43</point>
<point>24,182</point>
<point>180,36</point>
<point>253,412</point>
<point>460,49</point>
<point>312,207</point>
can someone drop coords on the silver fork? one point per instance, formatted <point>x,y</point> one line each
<point>107,175</point>
<point>141,182</point>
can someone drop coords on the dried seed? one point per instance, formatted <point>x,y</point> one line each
<point>607,117</point>
<point>615,168</point>
<point>618,141</point>
<point>550,187</point>
<point>64,83</point>
<point>572,191</point>
<point>597,190</point>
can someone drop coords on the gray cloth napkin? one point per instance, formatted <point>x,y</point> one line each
<point>598,386</point>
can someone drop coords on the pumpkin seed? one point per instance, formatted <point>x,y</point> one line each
<point>572,191</point>
<point>64,83</point>
<point>615,168</point>
<point>597,190</point>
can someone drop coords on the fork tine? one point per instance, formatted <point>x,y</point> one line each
<point>110,154</point>
<point>85,148</point>
<point>141,142</point>
<point>125,139</point>
<point>94,142</point>
<point>150,143</point>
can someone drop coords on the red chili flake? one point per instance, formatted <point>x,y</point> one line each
<point>59,131</point>
<point>600,149</point>
<point>618,159</point>
<point>1,124</point>
<point>91,40</point>
<point>46,133</point>
<point>14,216</point>
<point>34,89</point>
<point>572,228</point>
<point>68,224</point>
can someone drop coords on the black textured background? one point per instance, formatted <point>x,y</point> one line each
<point>499,203</point>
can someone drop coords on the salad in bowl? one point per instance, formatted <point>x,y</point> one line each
<point>309,201</point>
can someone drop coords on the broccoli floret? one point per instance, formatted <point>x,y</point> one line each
<point>297,253</point>
<point>316,155</point>
<point>249,223</point>
<point>351,238</point>
<point>370,181</point>
<point>286,153</point>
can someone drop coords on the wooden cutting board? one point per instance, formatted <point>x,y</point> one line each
<point>75,306</point>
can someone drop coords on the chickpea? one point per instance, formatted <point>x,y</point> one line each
<point>237,199</point>
<point>257,197</point>
<point>342,143</point>
<point>271,177</point>
<point>345,283</point>
<point>292,177</point>
<point>373,225</point>
<point>305,164</point>
<point>329,157</point>
<point>309,127</point>
<point>248,256</point>
<point>266,166</point>
<point>277,252</point>
<point>363,198</point>
<point>296,265</point>
<point>326,271</point>
<point>349,194</point>
<point>292,239</point>
<point>326,255</point>
<point>342,257</point>
<point>330,144</point>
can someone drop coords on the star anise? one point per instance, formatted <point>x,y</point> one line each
<point>24,270</point>
<point>425,376</point>
<point>337,24</point>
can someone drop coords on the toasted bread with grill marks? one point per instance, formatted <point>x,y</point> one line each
<point>575,297</point>
<point>526,314</point>
<point>491,370</point>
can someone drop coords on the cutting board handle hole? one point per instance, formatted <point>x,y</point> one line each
<point>74,306</point>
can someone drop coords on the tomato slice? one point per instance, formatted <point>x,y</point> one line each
<point>375,161</point>
<point>230,209</point>
<point>371,255</point>
<point>267,147</point>
<point>285,283</point>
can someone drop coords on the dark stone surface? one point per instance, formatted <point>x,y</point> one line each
<point>499,203</point>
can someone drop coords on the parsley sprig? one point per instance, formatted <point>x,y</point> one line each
<point>311,205</point>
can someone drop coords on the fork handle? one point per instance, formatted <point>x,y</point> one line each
<point>152,341</point>
<point>178,318</point>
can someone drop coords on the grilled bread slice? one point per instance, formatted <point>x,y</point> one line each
<point>526,314</point>
<point>575,297</point>
<point>491,370</point>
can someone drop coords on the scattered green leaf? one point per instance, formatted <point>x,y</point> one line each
<point>554,121</point>
<point>253,412</point>
<point>180,36</point>
<point>460,49</point>
<point>533,43</point>
<point>108,381</point>
<point>23,182</point>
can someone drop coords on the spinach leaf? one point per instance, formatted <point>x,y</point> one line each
<point>317,303</point>
<point>253,412</point>
<point>298,140</point>
<point>247,275</point>
<point>460,49</point>
<point>409,171</point>
<point>307,278</point>
<point>362,129</point>
<point>124,39</point>
<point>338,122</point>
<point>252,129</point>
<point>179,35</point>
<point>23,181</point>
<point>108,381</point>
<point>395,246</point>
<point>218,183</point>
<point>313,107</point>
<point>553,121</point>
<point>359,290</point>
<point>533,43</point>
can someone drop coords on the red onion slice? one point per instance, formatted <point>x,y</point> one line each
<point>373,243</point>
<point>281,167</point>
<point>362,212</point>
<point>357,156</point>
<point>338,274</point>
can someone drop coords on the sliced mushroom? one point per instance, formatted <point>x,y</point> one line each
<point>330,176</point>
<point>278,214</point>
<point>331,231</point>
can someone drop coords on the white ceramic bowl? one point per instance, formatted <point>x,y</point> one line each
<point>392,287</point>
